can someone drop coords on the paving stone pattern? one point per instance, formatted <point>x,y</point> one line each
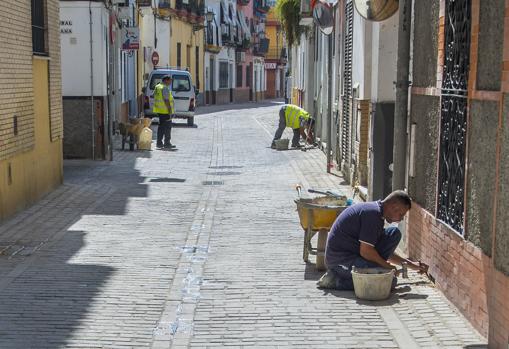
<point>195,248</point>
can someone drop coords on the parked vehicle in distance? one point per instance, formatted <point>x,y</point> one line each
<point>183,91</point>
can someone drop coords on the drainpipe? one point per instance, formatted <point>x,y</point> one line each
<point>92,111</point>
<point>329,100</point>
<point>401,107</point>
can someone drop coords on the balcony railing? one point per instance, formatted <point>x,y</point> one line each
<point>276,54</point>
<point>261,48</point>
<point>195,7</point>
<point>243,44</point>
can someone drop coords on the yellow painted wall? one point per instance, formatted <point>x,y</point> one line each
<point>270,33</point>
<point>275,43</point>
<point>182,32</point>
<point>36,172</point>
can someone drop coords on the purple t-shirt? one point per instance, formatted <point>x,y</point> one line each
<point>360,222</point>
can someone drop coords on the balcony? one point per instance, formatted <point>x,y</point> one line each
<point>243,45</point>
<point>192,9</point>
<point>306,14</point>
<point>261,48</point>
<point>276,54</point>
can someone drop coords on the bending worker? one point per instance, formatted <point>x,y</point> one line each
<point>164,108</point>
<point>358,239</point>
<point>297,119</point>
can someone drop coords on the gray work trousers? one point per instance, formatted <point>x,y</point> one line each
<point>282,126</point>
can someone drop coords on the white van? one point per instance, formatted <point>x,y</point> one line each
<point>182,89</point>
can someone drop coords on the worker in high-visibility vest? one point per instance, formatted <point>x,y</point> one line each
<point>298,120</point>
<point>164,108</point>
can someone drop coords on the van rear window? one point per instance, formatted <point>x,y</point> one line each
<point>179,82</point>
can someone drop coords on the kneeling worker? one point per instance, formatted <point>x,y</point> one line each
<point>358,239</point>
<point>297,119</point>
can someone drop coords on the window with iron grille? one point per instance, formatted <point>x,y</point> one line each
<point>239,75</point>
<point>223,75</point>
<point>347,80</point>
<point>39,29</point>
<point>249,74</point>
<point>453,116</point>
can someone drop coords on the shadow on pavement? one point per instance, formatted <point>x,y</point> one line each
<point>476,346</point>
<point>45,293</point>
<point>310,272</point>
<point>41,310</point>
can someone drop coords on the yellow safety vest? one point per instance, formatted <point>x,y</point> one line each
<point>293,114</point>
<point>159,105</point>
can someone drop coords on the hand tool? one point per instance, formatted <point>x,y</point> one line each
<point>328,193</point>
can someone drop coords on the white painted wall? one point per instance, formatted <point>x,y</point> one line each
<point>361,70</point>
<point>76,48</point>
<point>385,53</point>
<point>162,32</point>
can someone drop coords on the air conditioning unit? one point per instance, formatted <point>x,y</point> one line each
<point>240,57</point>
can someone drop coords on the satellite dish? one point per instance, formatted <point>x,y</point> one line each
<point>323,16</point>
<point>376,10</point>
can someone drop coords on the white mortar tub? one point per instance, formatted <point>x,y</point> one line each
<point>373,284</point>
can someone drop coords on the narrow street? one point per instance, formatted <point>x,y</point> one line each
<point>193,248</point>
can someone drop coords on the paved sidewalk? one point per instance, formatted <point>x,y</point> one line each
<point>194,248</point>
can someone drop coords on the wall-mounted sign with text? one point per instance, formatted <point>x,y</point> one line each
<point>270,65</point>
<point>66,27</point>
<point>130,38</point>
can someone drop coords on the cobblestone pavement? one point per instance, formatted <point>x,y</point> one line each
<point>194,248</point>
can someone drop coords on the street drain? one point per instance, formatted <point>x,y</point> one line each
<point>167,180</point>
<point>224,173</point>
<point>224,167</point>
<point>212,182</point>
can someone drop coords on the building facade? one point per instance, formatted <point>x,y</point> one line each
<point>103,38</point>
<point>454,153</point>
<point>459,156</point>
<point>31,104</point>
<point>275,58</point>
<point>234,51</point>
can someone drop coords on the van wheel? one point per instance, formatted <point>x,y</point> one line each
<point>190,121</point>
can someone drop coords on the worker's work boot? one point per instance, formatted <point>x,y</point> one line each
<point>273,145</point>
<point>328,280</point>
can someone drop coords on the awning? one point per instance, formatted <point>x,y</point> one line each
<point>239,24</point>
<point>226,14</point>
<point>245,27</point>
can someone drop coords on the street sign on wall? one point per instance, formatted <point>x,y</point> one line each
<point>270,65</point>
<point>155,58</point>
<point>130,38</point>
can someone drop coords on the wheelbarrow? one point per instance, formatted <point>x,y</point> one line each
<point>317,216</point>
